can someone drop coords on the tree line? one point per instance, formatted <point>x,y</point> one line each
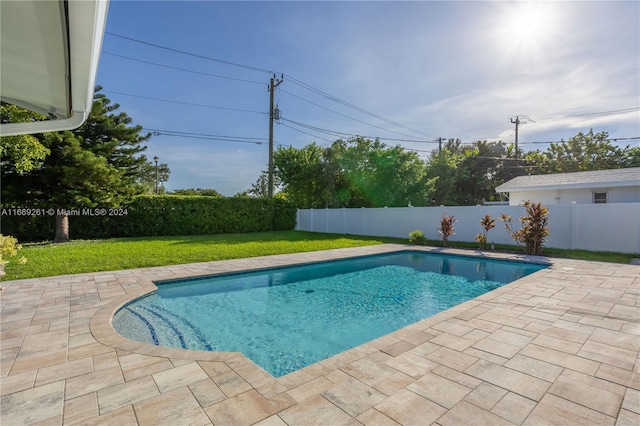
<point>360,172</point>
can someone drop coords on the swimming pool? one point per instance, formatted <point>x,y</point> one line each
<point>284,319</point>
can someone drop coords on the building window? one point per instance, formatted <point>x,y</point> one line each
<point>599,197</point>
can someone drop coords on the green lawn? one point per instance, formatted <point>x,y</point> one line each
<point>47,259</point>
<point>596,256</point>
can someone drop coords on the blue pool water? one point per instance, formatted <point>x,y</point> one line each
<point>287,318</point>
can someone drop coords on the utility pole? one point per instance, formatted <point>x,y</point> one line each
<point>517,123</point>
<point>272,88</point>
<point>156,160</point>
<point>439,145</point>
<point>516,120</point>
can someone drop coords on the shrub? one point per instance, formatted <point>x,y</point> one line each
<point>166,215</point>
<point>482,240</point>
<point>487,223</point>
<point>9,247</point>
<point>446,228</point>
<point>284,215</point>
<point>417,237</point>
<point>534,231</point>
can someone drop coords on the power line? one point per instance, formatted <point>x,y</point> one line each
<point>184,69</point>
<point>357,108</point>
<point>306,133</point>
<point>294,80</point>
<point>546,142</point>
<point>417,150</point>
<point>587,115</point>
<point>204,138</point>
<point>241,80</point>
<point>327,95</point>
<point>594,114</point>
<point>223,138</point>
<point>343,115</point>
<point>195,55</point>
<point>343,134</point>
<point>319,129</point>
<point>561,141</point>
<point>186,103</point>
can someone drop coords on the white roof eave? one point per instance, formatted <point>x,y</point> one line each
<point>43,80</point>
<point>556,187</point>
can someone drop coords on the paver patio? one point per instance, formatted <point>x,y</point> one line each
<point>560,346</point>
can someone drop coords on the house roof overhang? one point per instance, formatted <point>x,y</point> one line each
<point>49,53</point>
<point>556,187</point>
<point>596,179</point>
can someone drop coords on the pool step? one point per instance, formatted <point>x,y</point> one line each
<point>152,331</point>
<point>156,318</point>
<point>168,325</point>
<point>195,331</point>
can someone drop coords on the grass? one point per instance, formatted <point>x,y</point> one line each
<point>595,256</point>
<point>48,259</point>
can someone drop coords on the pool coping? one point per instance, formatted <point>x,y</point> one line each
<point>103,331</point>
<point>561,345</point>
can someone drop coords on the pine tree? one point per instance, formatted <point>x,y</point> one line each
<point>100,164</point>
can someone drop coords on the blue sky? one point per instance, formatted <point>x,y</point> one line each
<point>429,69</point>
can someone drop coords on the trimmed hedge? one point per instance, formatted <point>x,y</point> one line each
<point>162,215</point>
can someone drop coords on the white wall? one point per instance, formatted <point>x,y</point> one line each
<point>630,194</point>
<point>598,227</point>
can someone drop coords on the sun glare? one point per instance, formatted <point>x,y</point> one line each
<point>528,25</point>
<point>525,27</point>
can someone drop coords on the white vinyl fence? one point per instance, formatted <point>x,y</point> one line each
<point>598,227</point>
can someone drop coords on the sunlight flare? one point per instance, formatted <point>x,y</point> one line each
<point>525,29</point>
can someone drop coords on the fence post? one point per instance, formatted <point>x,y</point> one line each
<point>344,220</point>
<point>572,226</point>
<point>326,220</point>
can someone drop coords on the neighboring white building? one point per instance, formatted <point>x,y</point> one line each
<point>600,186</point>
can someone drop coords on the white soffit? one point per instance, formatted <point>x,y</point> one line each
<point>49,60</point>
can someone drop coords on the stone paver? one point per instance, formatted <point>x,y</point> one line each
<point>561,346</point>
<point>408,408</point>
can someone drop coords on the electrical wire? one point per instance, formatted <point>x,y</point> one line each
<point>547,142</point>
<point>345,103</point>
<point>331,97</point>
<point>306,133</point>
<point>343,115</point>
<point>593,114</point>
<point>223,138</point>
<point>587,115</point>
<point>294,80</point>
<point>561,141</point>
<point>510,134</point>
<point>186,103</point>
<point>204,138</point>
<point>343,134</point>
<point>195,55</point>
<point>318,129</point>
<point>184,69</point>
